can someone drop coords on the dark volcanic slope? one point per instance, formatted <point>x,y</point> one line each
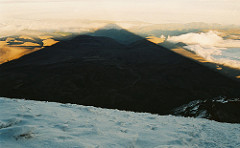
<point>101,72</point>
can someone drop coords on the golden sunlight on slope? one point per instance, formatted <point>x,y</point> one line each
<point>10,39</point>
<point>2,44</point>
<point>15,47</point>
<point>26,44</point>
<point>49,42</point>
<point>219,68</point>
<point>26,37</point>
<point>9,53</point>
<point>16,41</point>
<point>156,40</point>
<point>189,54</point>
<point>44,37</point>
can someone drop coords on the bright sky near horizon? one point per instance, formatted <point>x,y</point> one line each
<point>152,11</point>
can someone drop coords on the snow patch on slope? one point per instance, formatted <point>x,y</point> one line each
<point>47,124</point>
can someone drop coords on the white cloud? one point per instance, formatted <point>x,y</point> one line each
<point>211,38</point>
<point>20,26</point>
<point>212,47</point>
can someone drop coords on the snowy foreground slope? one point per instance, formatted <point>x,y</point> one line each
<point>46,124</point>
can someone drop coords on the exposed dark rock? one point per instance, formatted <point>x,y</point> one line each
<point>219,109</point>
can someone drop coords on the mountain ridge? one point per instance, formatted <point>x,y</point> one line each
<point>145,78</point>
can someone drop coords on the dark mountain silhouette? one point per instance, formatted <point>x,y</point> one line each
<point>117,33</point>
<point>99,71</point>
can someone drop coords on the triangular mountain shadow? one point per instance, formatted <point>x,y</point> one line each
<point>117,33</point>
<point>99,71</point>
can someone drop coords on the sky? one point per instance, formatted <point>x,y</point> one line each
<point>151,11</point>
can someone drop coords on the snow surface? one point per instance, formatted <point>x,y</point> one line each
<point>46,124</point>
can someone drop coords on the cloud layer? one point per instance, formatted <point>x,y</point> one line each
<point>152,11</point>
<point>19,26</point>
<point>212,47</point>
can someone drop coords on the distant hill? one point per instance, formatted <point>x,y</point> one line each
<point>100,71</point>
<point>13,47</point>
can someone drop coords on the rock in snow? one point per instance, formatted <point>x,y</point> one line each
<point>46,124</point>
<point>219,109</point>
